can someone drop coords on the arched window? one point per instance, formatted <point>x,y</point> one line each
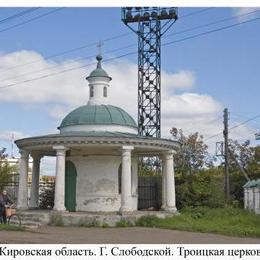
<point>91,91</point>
<point>105,91</point>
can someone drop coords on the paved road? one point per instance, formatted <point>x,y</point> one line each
<point>80,235</point>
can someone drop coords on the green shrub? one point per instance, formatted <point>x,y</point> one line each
<point>124,223</point>
<point>148,221</point>
<point>89,223</point>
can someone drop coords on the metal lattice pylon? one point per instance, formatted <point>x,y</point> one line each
<point>149,30</point>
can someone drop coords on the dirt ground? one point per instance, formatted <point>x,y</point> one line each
<point>80,235</point>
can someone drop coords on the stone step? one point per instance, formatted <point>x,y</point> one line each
<point>31,223</point>
<point>43,219</point>
<point>34,219</point>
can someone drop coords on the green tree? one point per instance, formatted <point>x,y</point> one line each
<point>205,188</point>
<point>193,155</point>
<point>6,172</point>
<point>198,182</point>
<point>249,158</point>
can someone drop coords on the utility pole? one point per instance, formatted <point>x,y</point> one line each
<point>225,134</point>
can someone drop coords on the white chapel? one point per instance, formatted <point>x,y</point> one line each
<point>97,152</point>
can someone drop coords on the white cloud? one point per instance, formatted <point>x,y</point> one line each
<point>60,94</point>
<point>7,135</point>
<point>246,13</point>
<point>190,105</point>
<point>64,88</point>
<point>183,79</point>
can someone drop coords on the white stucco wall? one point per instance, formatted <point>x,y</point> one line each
<point>257,200</point>
<point>89,128</point>
<point>252,199</point>
<point>98,84</point>
<point>97,183</point>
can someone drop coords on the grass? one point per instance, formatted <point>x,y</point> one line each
<point>124,223</point>
<point>230,221</point>
<point>5,227</point>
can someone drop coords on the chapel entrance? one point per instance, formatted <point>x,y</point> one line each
<point>70,186</point>
<point>149,192</point>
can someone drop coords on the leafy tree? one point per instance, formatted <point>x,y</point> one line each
<point>6,172</point>
<point>205,188</point>
<point>249,158</point>
<point>193,155</point>
<point>198,182</point>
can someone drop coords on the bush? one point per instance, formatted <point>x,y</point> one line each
<point>148,221</point>
<point>204,188</point>
<point>46,197</point>
<point>124,223</point>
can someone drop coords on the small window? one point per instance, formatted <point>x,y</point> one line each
<point>91,93</point>
<point>105,92</point>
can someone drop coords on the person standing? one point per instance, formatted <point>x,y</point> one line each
<point>4,202</point>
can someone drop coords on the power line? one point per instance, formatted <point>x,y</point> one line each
<point>211,31</point>
<point>72,61</point>
<point>19,14</point>
<point>244,122</point>
<point>68,51</point>
<point>67,70</point>
<point>256,123</point>
<point>168,43</point>
<point>32,19</point>
<point>95,43</point>
<point>86,46</point>
<point>196,12</point>
<point>212,23</point>
<point>235,126</point>
<point>119,36</point>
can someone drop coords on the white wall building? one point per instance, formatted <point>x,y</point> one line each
<point>252,196</point>
<point>97,153</point>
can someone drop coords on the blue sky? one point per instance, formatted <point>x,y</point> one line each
<point>200,76</point>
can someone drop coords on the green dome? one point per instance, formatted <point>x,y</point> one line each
<point>98,72</point>
<point>98,115</point>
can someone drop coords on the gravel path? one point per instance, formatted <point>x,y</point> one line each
<point>80,235</point>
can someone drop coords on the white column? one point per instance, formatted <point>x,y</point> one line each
<point>34,197</point>
<point>257,200</point>
<point>163,186</point>
<point>247,203</point>
<point>251,199</point>
<point>245,198</point>
<point>59,196</point>
<point>134,189</point>
<point>126,196</point>
<point>170,182</point>
<point>22,202</point>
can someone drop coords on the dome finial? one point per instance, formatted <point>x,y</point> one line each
<point>99,56</point>
<point>99,59</point>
